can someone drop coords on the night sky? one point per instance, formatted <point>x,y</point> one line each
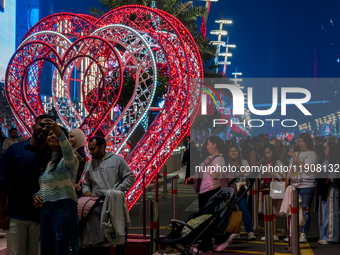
<point>281,38</point>
<point>284,39</point>
<point>274,39</point>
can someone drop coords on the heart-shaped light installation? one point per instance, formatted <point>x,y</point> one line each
<point>134,40</point>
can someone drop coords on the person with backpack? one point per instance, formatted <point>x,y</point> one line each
<point>210,181</point>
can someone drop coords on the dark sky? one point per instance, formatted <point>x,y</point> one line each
<point>286,39</point>
<point>276,38</point>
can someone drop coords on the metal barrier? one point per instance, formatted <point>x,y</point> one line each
<point>268,222</point>
<point>295,222</point>
<point>154,225</point>
<point>255,204</point>
<point>174,198</point>
<point>174,162</point>
<point>288,233</point>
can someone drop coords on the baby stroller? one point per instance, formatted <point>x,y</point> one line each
<point>217,214</point>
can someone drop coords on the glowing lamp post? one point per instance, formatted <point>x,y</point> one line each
<point>219,34</point>
<point>226,54</point>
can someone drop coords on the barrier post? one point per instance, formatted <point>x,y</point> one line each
<point>255,204</point>
<point>154,225</point>
<point>288,233</point>
<point>165,180</point>
<point>295,223</point>
<point>156,188</point>
<point>144,209</point>
<point>174,198</point>
<point>269,228</point>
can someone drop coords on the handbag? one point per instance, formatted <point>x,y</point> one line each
<point>264,187</point>
<point>277,190</point>
<point>235,222</point>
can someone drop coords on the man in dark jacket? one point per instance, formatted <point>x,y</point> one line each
<point>19,174</point>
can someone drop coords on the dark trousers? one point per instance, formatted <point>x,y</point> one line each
<point>203,198</point>
<point>206,244</point>
<point>59,228</point>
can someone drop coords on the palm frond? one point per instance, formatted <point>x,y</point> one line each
<point>186,12</point>
<point>112,4</point>
<point>168,6</point>
<point>182,8</point>
<point>96,12</point>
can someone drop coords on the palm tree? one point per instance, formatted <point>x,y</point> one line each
<point>188,14</point>
<point>185,12</point>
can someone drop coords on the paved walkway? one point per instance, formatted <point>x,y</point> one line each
<point>187,204</point>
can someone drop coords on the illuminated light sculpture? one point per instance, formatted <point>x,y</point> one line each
<point>205,17</point>
<point>104,49</point>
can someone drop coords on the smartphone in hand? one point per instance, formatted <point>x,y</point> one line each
<point>52,114</point>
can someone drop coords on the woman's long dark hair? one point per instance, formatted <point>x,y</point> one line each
<point>238,159</point>
<point>46,159</point>
<point>218,141</point>
<point>48,156</point>
<point>275,155</point>
<point>219,145</point>
<point>308,141</point>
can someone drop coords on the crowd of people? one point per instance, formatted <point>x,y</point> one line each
<point>299,156</point>
<point>40,186</point>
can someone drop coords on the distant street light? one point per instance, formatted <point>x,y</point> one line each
<point>219,33</point>
<point>226,54</point>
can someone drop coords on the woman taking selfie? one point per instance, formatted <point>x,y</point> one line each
<point>57,196</point>
<point>302,179</point>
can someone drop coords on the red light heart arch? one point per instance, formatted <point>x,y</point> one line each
<point>100,47</point>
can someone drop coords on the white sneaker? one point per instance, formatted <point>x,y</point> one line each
<point>286,239</point>
<point>251,236</point>
<point>195,250</point>
<point>303,238</point>
<point>276,238</point>
<point>224,245</point>
<point>323,241</point>
<point>236,236</point>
